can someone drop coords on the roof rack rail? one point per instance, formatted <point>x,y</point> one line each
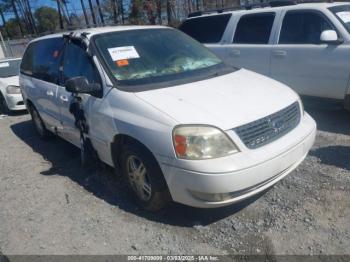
<point>314,1</point>
<point>277,3</point>
<point>274,3</point>
<point>220,10</point>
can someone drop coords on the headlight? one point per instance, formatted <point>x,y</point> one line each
<point>13,90</point>
<point>201,142</point>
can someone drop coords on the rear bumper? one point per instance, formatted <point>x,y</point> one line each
<point>15,102</point>
<point>223,188</point>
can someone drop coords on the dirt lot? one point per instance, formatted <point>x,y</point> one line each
<point>49,205</point>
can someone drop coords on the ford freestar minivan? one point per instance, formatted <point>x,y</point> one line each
<point>177,121</point>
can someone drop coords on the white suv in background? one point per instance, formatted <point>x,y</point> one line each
<point>167,112</point>
<point>306,46</point>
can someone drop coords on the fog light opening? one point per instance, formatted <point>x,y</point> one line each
<point>210,197</point>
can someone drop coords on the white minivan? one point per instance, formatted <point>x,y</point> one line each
<point>305,46</point>
<point>178,122</point>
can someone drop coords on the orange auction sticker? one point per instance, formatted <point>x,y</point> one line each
<point>123,62</point>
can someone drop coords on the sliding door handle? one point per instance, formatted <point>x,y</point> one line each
<point>234,52</point>
<point>280,53</point>
<point>64,98</point>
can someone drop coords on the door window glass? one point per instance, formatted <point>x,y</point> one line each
<point>46,59</point>
<point>27,61</point>
<point>342,12</point>
<point>78,63</point>
<point>303,28</point>
<point>206,29</point>
<point>254,29</point>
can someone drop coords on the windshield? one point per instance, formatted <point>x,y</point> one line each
<point>154,55</point>
<point>9,68</point>
<point>342,12</point>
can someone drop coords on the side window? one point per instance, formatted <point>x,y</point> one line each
<point>46,58</point>
<point>206,29</point>
<point>78,63</point>
<point>254,29</point>
<point>27,60</point>
<point>303,27</point>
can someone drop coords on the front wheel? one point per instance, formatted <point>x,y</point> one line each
<point>145,178</point>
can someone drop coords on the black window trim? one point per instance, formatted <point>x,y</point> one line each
<point>274,13</point>
<point>315,11</point>
<point>61,67</point>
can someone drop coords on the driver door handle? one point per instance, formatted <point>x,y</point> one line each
<point>49,93</point>
<point>234,52</point>
<point>64,98</point>
<point>280,53</point>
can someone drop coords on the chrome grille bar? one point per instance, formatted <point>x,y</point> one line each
<point>270,128</point>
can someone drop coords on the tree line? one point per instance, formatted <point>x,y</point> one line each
<point>25,21</point>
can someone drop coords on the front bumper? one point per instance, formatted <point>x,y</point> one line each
<point>15,102</point>
<point>255,170</point>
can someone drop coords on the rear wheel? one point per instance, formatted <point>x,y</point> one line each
<point>39,124</point>
<point>3,106</point>
<point>144,178</point>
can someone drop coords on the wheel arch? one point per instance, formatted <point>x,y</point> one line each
<point>30,105</point>
<point>121,140</point>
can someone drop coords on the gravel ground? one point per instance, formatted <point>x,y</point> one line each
<point>49,205</point>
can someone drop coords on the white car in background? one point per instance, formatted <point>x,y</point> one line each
<point>10,93</point>
<point>305,46</point>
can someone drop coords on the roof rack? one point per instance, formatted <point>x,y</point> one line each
<point>274,3</point>
<point>219,11</point>
<point>277,3</point>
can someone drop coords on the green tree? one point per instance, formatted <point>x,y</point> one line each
<point>47,19</point>
<point>12,29</point>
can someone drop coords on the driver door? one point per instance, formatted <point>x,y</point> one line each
<point>303,62</point>
<point>76,62</point>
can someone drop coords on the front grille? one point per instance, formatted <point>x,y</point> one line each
<point>270,128</point>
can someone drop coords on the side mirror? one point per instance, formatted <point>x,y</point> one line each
<point>330,37</point>
<point>80,85</point>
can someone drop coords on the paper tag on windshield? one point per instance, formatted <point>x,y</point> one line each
<point>6,64</point>
<point>345,16</point>
<point>123,53</point>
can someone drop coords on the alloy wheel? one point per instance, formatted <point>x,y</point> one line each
<point>138,178</point>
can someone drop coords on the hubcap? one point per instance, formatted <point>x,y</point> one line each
<point>138,178</point>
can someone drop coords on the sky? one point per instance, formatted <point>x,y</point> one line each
<point>73,6</point>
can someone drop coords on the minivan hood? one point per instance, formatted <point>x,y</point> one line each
<point>226,101</point>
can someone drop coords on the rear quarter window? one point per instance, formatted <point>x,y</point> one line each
<point>207,29</point>
<point>27,60</point>
<point>254,29</point>
<point>41,59</point>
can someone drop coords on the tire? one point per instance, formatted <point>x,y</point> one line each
<point>347,103</point>
<point>39,124</point>
<point>87,159</point>
<point>3,106</point>
<point>146,182</point>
